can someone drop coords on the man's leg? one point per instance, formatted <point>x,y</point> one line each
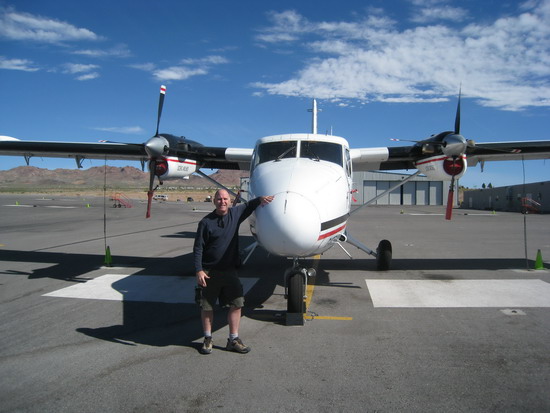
<point>207,317</point>
<point>234,320</point>
<point>234,343</point>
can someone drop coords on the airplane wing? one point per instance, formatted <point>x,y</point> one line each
<point>408,157</point>
<point>104,150</point>
<point>506,151</point>
<point>205,157</point>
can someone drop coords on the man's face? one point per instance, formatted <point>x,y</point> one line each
<point>221,201</point>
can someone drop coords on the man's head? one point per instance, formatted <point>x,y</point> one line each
<point>222,201</point>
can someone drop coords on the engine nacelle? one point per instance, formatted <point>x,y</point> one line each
<point>443,168</point>
<point>172,167</point>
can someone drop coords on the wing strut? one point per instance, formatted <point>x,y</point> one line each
<point>201,173</point>
<point>397,185</point>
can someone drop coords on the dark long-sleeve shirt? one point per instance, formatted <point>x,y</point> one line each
<point>217,240</point>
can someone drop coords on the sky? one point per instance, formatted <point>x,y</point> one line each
<point>73,70</point>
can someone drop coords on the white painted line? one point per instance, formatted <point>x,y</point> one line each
<point>145,288</point>
<point>41,206</point>
<point>425,214</point>
<point>22,206</point>
<point>59,206</point>
<point>459,293</point>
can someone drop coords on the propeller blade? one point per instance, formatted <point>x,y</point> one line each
<point>450,200</point>
<point>152,168</point>
<point>161,103</point>
<point>457,117</point>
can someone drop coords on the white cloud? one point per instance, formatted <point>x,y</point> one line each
<point>286,27</point>
<point>129,130</point>
<point>120,51</point>
<point>433,14</point>
<point>73,68</point>
<point>184,70</point>
<point>16,25</point>
<point>88,76</point>
<point>205,61</point>
<point>177,73</point>
<point>503,64</point>
<point>84,72</point>
<point>17,64</point>
<point>433,10</point>
<point>147,67</point>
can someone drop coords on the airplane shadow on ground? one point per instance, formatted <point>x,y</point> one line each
<point>144,322</point>
<point>164,324</point>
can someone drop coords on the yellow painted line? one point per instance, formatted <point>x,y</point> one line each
<point>322,317</point>
<point>309,297</point>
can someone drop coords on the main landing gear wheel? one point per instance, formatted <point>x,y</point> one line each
<point>295,293</point>
<point>383,255</point>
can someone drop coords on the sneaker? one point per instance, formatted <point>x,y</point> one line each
<point>237,345</point>
<point>207,346</point>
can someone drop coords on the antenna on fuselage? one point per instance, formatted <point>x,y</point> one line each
<point>314,111</point>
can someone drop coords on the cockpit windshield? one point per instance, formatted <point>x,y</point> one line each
<point>315,150</point>
<point>321,151</point>
<point>273,151</point>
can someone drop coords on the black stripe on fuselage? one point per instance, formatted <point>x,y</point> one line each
<point>333,222</point>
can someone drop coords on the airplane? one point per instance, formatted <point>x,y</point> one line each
<point>310,175</point>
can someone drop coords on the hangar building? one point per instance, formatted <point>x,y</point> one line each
<point>420,190</point>
<point>534,197</point>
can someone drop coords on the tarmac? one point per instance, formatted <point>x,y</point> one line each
<point>460,323</point>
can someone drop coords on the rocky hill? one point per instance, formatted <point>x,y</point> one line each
<point>31,177</point>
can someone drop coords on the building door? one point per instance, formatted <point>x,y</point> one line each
<point>422,193</point>
<point>409,193</point>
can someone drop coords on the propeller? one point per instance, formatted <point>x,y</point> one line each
<point>450,197</point>
<point>155,147</point>
<point>455,146</point>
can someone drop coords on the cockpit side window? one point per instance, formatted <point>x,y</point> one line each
<point>322,151</point>
<point>348,162</point>
<point>273,151</point>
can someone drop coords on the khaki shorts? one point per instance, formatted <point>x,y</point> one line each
<point>224,286</point>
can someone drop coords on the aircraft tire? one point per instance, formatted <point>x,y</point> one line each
<point>295,302</point>
<point>383,255</point>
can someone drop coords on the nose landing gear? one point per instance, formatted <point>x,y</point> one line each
<point>295,292</point>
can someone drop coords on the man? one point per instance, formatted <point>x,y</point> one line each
<point>216,253</point>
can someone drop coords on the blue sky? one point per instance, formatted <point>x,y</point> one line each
<point>74,70</point>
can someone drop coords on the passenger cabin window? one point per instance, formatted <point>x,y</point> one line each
<point>321,151</point>
<point>273,151</point>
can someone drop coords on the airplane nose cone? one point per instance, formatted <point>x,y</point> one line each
<point>288,226</point>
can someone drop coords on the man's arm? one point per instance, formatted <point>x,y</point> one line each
<point>198,248</point>
<point>255,203</point>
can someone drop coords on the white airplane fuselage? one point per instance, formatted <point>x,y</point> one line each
<point>310,177</point>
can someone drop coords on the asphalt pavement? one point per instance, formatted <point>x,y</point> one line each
<point>460,323</point>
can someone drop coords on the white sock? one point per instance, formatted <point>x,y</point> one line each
<point>233,336</point>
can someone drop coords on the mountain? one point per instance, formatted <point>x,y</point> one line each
<point>31,177</point>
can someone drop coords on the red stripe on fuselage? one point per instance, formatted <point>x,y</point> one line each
<point>437,160</point>
<point>328,234</point>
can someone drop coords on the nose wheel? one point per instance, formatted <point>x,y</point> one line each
<point>295,291</point>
